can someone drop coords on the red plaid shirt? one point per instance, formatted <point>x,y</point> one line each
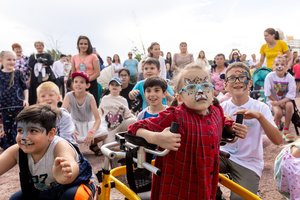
<point>192,171</point>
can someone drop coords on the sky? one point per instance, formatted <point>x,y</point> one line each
<point>117,26</point>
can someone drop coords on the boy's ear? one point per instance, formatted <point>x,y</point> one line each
<point>88,85</point>
<point>59,97</point>
<point>250,83</point>
<point>52,133</point>
<point>179,98</point>
<point>165,93</point>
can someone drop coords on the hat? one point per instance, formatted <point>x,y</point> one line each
<point>82,74</point>
<point>116,79</point>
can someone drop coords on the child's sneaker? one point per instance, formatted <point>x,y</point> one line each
<point>288,136</point>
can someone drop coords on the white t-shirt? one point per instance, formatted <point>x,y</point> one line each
<point>248,152</point>
<point>59,68</point>
<point>280,87</point>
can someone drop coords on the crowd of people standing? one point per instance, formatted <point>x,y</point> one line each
<point>99,99</point>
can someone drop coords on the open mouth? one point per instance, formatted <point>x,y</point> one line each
<point>238,87</point>
<point>200,97</point>
<point>26,143</point>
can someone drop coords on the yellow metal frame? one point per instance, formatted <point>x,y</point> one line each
<point>236,188</point>
<point>129,194</point>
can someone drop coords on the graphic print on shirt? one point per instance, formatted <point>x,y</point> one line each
<point>281,88</point>
<point>39,182</point>
<point>114,119</point>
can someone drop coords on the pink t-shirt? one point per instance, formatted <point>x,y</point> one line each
<point>85,64</point>
<point>217,82</point>
<point>296,70</point>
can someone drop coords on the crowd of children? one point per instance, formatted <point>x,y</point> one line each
<point>45,139</point>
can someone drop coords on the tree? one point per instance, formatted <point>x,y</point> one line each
<point>55,54</point>
<point>137,53</point>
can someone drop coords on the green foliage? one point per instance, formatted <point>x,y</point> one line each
<point>137,53</point>
<point>55,54</point>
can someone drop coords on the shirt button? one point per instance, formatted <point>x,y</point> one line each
<point>208,122</point>
<point>212,146</point>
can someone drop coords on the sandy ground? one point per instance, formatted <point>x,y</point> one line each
<point>9,182</point>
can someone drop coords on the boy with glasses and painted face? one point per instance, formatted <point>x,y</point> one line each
<point>246,156</point>
<point>280,88</point>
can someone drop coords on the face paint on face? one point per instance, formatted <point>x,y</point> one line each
<point>197,80</point>
<point>29,128</point>
<point>279,67</point>
<point>242,76</point>
<point>198,90</point>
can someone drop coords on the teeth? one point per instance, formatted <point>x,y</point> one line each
<point>26,143</point>
<point>200,97</point>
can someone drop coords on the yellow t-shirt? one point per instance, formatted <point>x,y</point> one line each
<point>271,53</point>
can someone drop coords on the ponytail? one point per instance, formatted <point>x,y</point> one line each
<point>12,79</point>
<point>277,35</point>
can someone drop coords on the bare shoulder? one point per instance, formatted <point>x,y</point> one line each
<point>64,148</point>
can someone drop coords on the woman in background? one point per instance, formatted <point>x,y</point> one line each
<point>86,61</point>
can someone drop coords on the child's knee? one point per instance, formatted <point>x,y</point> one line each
<point>289,106</point>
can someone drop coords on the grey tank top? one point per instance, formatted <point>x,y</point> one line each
<point>82,112</point>
<point>41,171</point>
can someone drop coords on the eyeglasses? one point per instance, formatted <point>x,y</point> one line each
<point>232,79</point>
<point>194,88</point>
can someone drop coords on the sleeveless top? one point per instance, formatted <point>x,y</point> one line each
<point>41,171</point>
<point>82,112</point>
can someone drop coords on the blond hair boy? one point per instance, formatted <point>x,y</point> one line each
<point>48,93</point>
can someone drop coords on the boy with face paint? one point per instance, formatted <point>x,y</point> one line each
<point>56,169</point>
<point>190,170</point>
<point>246,156</point>
<point>280,88</point>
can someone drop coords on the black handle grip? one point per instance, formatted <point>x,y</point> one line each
<point>174,127</point>
<point>239,118</point>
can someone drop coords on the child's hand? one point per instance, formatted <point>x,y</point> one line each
<point>25,103</point>
<point>64,166</point>
<point>90,137</point>
<point>168,140</point>
<point>249,114</point>
<point>240,130</point>
<point>133,94</point>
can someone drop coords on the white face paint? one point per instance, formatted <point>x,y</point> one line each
<point>25,129</point>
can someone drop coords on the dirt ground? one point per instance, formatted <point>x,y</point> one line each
<point>9,182</point>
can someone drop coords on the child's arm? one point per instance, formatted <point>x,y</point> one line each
<point>165,139</point>
<point>90,135</point>
<point>231,127</point>
<point>8,158</point>
<point>96,72</point>
<point>156,130</point>
<point>261,61</point>
<point>133,94</point>
<point>170,99</point>
<point>25,102</point>
<point>270,130</point>
<point>66,104</point>
<point>65,167</point>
